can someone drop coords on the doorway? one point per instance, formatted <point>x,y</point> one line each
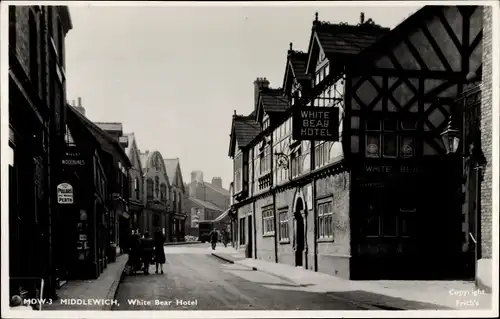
<point>299,234</point>
<point>250,237</point>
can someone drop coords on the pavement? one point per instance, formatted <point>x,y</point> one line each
<point>196,280</point>
<point>98,291</point>
<point>382,294</point>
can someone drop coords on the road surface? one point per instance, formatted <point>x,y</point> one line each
<point>196,280</point>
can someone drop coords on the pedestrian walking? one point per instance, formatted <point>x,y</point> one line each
<point>214,236</point>
<point>147,246</point>
<point>225,237</point>
<point>159,252</point>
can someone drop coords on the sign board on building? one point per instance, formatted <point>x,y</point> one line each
<point>72,158</point>
<point>64,193</point>
<point>315,124</point>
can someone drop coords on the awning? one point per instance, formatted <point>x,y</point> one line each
<point>223,215</point>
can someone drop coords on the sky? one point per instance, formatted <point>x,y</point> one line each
<point>174,75</point>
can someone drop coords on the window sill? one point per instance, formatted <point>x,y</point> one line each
<point>284,241</point>
<point>268,234</point>
<point>325,240</point>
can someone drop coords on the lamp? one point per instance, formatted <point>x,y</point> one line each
<point>451,138</point>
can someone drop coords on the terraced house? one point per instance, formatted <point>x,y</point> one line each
<point>383,201</point>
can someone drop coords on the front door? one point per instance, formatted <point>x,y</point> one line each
<point>250,237</point>
<point>299,252</point>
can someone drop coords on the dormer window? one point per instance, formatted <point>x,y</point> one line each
<point>265,122</point>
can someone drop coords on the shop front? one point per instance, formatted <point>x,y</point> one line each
<point>404,224</point>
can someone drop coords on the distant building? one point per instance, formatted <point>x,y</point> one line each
<point>204,201</point>
<point>136,175</point>
<point>155,195</point>
<point>177,191</point>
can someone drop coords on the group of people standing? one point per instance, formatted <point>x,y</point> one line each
<point>144,251</point>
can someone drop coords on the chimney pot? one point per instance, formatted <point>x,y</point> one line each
<point>79,101</point>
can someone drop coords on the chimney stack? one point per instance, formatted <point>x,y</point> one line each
<point>78,106</point>
<point>217,182</point>
<point>259,85</point>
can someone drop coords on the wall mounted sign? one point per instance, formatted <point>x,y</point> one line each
<point>64,193</point>
<point>315,124</point>
<point>72,158</point>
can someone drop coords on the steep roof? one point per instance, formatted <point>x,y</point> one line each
<point>205,204</point>
<point>347,39</point>
<point>144,159</point>
<point>171,165</point>
<point>223,191</point>
<point>298,62</point>
<point>131,138</point>
<point>132,151</point>
<point>245,129</point>
<point>100,135</point>
<point>273,101</point>
<point>110,126</point>
<point>342,40</point>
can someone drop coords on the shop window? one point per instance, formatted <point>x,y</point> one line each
<point>268,222</point>
<point>325,220</point>
<point>284,227</point>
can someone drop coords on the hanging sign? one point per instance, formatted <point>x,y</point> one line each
<point>315,124</point>
<point>64,193</point>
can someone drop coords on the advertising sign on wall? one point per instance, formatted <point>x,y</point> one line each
<point>64,193</point>
<point>315,124</point>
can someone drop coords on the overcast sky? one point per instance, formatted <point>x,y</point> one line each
<point>174,75</point>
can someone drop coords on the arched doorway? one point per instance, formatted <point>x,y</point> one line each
<point>299,233</point>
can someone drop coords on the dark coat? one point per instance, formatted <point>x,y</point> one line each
<point>147,246</point>
<point>159,251</point>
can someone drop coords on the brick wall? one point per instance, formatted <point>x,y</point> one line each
<point>264,243</point>
<point>284,202</point>
<point>333,255</point>
<point>486,135</point>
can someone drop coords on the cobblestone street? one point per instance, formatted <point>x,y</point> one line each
<point>193,276</point>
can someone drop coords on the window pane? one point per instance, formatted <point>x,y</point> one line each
<point>372,226</point>
<point>372,125</point>
<point>407,147</point>
<point>390,225</point>
<point>320,210</point>
<point>408,125</point>
<point>390,145</point>
<point>390,125</point>
<point>373,145</point>
<point>405,227</point>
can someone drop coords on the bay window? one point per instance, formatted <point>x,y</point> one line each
<point>238,173</point>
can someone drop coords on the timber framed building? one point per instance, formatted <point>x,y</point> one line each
<point>383,202</point>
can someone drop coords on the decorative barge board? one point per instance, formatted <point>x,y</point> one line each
<point>399,96</point>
